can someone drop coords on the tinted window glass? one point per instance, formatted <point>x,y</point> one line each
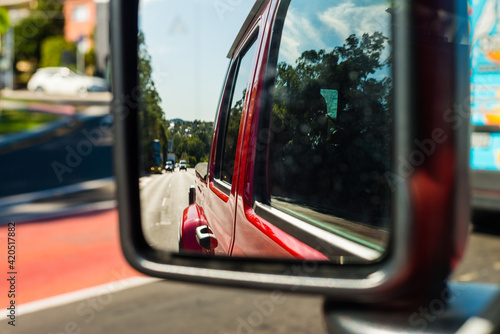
<point>331,121</point>
<point>235,113</point>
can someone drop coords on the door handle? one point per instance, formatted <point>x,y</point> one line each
<point>206,239</point>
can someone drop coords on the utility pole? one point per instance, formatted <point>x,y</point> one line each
<point>81,48</point>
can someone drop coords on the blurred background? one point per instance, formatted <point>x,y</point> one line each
<point>57,185</point>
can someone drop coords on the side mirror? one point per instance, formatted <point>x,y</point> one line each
<point>419,121</point>
<point>202,170</point>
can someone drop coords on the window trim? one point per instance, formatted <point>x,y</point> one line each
<point>310,234</point>
<point>223,186</point>
<point>222,115</point>
<point>224,109</point>
<point>261,190</point>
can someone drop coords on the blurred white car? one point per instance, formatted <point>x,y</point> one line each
<point>61,80</point>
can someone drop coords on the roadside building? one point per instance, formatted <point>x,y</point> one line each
<point>87,25</point>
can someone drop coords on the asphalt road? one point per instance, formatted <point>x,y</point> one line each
<point>163,199</point>
<point>177,308</point>
<point>78,153</point>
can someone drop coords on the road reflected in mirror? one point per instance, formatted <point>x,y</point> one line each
<point>292,158</point>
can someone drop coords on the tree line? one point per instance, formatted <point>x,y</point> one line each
<point>191,140</point>
<point>337,155</point>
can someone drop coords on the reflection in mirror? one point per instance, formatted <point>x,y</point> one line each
<point>297,162</point>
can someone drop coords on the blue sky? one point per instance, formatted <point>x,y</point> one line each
<point>188,41</point>
<point>315,24</point>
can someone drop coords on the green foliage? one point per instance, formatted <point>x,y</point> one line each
<point>327,158</point>
<point>12,121</point>
<point>46,20</point>
<point>191,160</point>
<point>4,20</point>
<point>52,49</point>
<point>192,140</point>
<point>151,117</point>
<point>231,140</point>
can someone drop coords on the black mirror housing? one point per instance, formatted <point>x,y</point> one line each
<point>429,177</point>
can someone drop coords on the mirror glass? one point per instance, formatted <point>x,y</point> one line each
<point>278,145</point>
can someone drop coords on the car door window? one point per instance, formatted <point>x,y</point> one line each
<point>330,118</point>
<point>232,113</point>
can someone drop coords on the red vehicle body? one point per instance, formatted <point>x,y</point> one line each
<point>237,229</point>
<point>246,235</point>
<point>227,215</point>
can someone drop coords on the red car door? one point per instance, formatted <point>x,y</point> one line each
<point>220,199</point>
<point>306,119</point>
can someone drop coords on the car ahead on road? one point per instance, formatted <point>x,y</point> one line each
<point>156,169</point>
<point>169,166</point>
<point>62,80</point>
<point>339,166</point>
<point>183,165</point>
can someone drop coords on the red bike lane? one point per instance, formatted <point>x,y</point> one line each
<point>61,256</point>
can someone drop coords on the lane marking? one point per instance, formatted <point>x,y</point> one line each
<point>164,201</point>
<point>75,296</point>
<point>163,223</point>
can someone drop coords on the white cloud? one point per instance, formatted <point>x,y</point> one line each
<point>298,32</point>
<point>302,33</point>
<point>348,18</point>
